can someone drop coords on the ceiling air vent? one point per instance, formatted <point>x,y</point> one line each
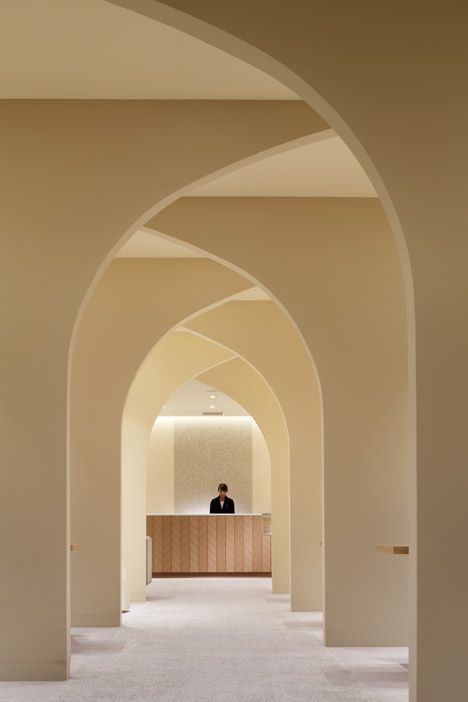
<point>212,414</point>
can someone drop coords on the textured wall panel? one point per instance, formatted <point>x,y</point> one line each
<point>257,545</point>
<point>229,544</point>
<point>239,545</point>
<point>176,544</point>
<point>221,545</point>
<point>194,545</point>
<point>207,451</point>
<point>212,545</point>
<point>202,544</point>
<point>209,544</point>
<point>167,544</point>
<point>157,545</point>
<point>248,544</point>
<point>185,544</point>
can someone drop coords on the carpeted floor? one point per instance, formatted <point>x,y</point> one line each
<point>199,640</point>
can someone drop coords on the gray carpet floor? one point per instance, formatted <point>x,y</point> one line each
<point>210,639</point>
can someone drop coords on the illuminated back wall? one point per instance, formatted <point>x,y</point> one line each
<point>189,456</point>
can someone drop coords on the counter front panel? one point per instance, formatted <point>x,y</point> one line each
<point>204,544</point>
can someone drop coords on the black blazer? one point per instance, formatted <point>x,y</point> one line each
<point>228,507</point>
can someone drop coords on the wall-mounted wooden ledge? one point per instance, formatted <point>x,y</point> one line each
<point>397,550</point>
<point>75,547</point>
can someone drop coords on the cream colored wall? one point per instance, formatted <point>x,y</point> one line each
<point>71,165</point>
<point>207,451</point>
<point>346,69</point>
<point>160,468</point>
<point>177,358</point>
<point>299,584</point>
<point>81,175</point>
<point>174,360</point>
<point>261,333</point>
<point>120,326</point>
<point>133,491</point>
<point>261,473</point>
<point>351,312</point>
<point>238,379</point>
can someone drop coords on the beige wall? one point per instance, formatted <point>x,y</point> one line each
<point>160,472</point>
<point>301,586</point>
<point>261,334</point>
<point>261,472</point>
<point>160,468</point>
<point>81,177</point>
<point>344,289</point>
<point>238,379</point>
<point>207,451</point>
<point>120,326</point>
<point>84,175</point>
<point>345,67</point>
<point>175,359</point>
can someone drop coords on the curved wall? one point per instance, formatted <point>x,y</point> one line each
<point>359,65</point>
<point>238,379</point>
<point>80,177</point>
<point>175,359</point>
<point>333,265</point>
<point>260,333</point>
<point>120,326</point>
<point>347,53</point>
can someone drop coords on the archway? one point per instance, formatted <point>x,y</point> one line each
<point>189,454</point>
<point>346,53</point>
<point>335,223</point>
<point>176,357</point>
<point>111,339</point>
<point>344,289</point>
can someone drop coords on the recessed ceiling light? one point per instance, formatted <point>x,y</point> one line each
<point>212,397</point>
<point>212,406</point>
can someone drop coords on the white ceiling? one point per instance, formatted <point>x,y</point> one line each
<point>94,49</point>
<point>323,168</point>
<point>193,398</point>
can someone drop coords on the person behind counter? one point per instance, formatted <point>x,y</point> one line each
<point>222,504</point>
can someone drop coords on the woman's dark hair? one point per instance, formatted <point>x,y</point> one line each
<point>223,487</point>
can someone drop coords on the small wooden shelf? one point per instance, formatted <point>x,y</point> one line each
<point>396,550</point>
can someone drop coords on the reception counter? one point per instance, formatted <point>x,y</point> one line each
<point>231,544</point>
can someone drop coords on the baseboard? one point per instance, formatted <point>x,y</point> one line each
<point>34,670</point>
<point>95,620</point>
<point>356,638</point>
<point>306,606</point>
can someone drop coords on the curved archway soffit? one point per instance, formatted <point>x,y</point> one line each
<point>242,49</point>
